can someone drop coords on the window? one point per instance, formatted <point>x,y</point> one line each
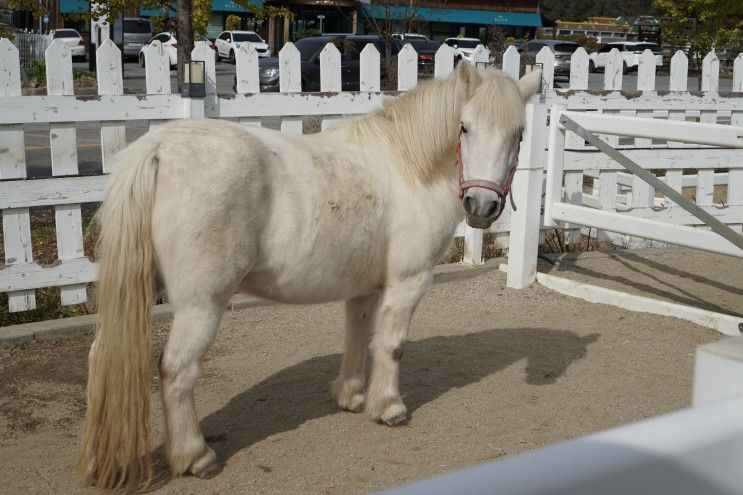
<point>224,36</point>
<point>309,47</point>
<point>251,37</point>
<point>565,47</point>
<point>139,26</point>
<point>162,38</point>
<point>66,33</point>
<point>607,48</point>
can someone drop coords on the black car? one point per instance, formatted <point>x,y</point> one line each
<point>426,50</point>
<point>350,47</point>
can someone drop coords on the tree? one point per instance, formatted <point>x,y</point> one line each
<point>398,16</point>
<point>701,24</point>
<point>580,10</point>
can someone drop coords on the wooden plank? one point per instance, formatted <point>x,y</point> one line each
<point>710,72</point>
<point>646,229</point>
<point>290,81</point>
<point>443,61</point>
<point>614,100</point>
<point>573,195</point>
<point>690,132</point>
<point>661,158</point>
<point>547,59</point>
<point>202,53</point>
<point>157,69</point>
<point>246,68</point>
<point>642,192</point>
<point>330,76</point>
<point>54,191</point>
<point>407,68</point>
<point>613,71</point>
<point>291,104</point>
<point>29,276</point>
<point>369,75</point>
<point>63,140</point>
<point>512,62</point>
<point>579,69</point>
<point>16,222</point>
<point>110,82</point>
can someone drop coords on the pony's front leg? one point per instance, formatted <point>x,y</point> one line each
<point>192,333</point>
<point>399,300</point>
<point>348,388</point>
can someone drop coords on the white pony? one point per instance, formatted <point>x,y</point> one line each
<point>201,209</point>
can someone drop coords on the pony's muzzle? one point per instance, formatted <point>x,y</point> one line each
<point>482,207</point>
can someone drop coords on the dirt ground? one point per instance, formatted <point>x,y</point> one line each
<point>685,276</point>
<point>489,372</point>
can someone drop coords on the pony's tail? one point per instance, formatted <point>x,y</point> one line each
<point>115,450</point>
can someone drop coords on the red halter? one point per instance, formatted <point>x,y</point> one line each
<point>501,191</point>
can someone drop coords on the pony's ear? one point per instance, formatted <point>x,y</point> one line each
<point>529,84</point>
<point>468,74</point>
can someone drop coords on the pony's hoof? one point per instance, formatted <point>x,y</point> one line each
<point>348,395</point>
<point>395,415</point>
<point>206,466</point>
<point>354,404</point>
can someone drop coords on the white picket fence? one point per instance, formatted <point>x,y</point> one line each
<point>62,110</point>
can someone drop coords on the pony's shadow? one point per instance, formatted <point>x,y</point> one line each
<point>432,366</point>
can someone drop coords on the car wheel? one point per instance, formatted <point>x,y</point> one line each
<point>232,57</point>
<point>217,58</point>
<point>591,67</point>
<point>141,59</point>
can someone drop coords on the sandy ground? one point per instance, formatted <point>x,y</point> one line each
<point>685,276</point>
<point>489,372</point>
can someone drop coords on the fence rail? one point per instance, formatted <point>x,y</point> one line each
<point>589,179</point>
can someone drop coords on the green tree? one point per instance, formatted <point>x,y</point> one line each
<point>701,24</point>
<point>580,10</point>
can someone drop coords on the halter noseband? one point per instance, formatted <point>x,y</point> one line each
<point>501,191</point>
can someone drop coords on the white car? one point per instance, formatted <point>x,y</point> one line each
<point>73,40</point>
<point>463,47</point>
<point>630,51</point>
<point>169,43</point>
<point>228,43</point>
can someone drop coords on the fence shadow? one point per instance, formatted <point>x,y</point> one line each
<point>298,394</point>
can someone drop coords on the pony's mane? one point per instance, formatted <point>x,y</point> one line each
<point>421,127</point>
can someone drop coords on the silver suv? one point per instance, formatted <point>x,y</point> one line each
<point>563,50</point>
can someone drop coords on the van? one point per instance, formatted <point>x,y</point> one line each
<point>137,32</point>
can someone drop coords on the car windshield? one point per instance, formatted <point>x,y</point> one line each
<point>308,47</point>
<point>466,43</point>
<point>67,33</point>
<point>565,47</point>
<point>137,26</point>
<point>251,37</point>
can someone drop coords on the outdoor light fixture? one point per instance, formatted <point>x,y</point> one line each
<point>194,85</point>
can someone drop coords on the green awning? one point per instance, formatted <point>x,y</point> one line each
<point>458,16</point>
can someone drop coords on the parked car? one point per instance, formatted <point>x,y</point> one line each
<point>409,36</point>
<point>228,43</point>
<point>170,43</point>
<point>630,51</point>
<point>426,50</point>
<point>73,40</point>
<point>563,50</point>
<point>463,47</point>
<point>137,32</point>
<point>309,52</point>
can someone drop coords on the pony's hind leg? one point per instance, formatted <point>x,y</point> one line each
<point>392,322</point>
<point>193,331</point>
<point>348,388</point>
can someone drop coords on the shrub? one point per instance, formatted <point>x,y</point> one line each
<point>232,23</point>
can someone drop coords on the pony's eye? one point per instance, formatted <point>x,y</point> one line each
<point>463,128</point>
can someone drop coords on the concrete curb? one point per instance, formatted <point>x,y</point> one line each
<point>79,325</point>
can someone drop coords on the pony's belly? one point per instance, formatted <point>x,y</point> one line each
<point>308,286</point>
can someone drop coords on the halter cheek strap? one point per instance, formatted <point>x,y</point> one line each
<point>501,191</point>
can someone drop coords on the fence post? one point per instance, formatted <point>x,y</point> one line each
<point>16,221</point>
<point>369,78</point>
<point>407,68</point>
<point>330,76</point>
<point>110,82</point>
<point>290,81</point>
<point>527,192</point>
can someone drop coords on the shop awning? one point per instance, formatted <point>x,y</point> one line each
<point>73,6</point>
<point>217,6</point>
<point>458,16</point>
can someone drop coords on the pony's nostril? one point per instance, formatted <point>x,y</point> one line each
<point>468,204</point>
<point>492,207</point>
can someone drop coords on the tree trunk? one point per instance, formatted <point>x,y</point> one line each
<point>184,35</point>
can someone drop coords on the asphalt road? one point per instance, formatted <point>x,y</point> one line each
<point>38,155</point>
